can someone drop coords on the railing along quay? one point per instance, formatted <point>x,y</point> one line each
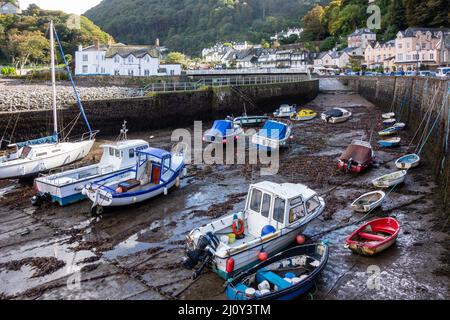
<point>220,82</point>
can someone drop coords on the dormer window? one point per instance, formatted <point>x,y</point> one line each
<point>130,59</point>
<point>116,59</point>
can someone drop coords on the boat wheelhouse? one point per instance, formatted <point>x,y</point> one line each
<point>274,215</point>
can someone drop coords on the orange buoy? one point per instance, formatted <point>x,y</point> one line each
<point>263,255</point>
<point>300,239</point>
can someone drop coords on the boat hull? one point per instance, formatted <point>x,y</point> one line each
<point>408,162</point>
<point>363,208</point>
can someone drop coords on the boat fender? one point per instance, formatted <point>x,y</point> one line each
<point>230,265</point>
<point>289,275</point>
<point>238,227</point>
<point>177,182</point>
<point>250,292</point>
<point>119,190</point>
<point>165,191</point>
<point>300,239</point>
<point>262,292</point>
<point>264,285</point>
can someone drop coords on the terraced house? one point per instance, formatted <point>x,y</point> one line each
<point>122,60</point>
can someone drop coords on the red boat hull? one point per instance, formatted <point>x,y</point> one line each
<point>374,236</point>
<point>342,166</point>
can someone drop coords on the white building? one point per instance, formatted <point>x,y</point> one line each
<point>286,34</point>
<point>122,60</point>
<point>361,38</point>
<point>10,7</point>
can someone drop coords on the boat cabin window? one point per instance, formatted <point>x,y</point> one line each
<point>265,209</point>
<point>111,151</point>
<point>255,201</point>
<point>131,153</point>
<point>117,153</point>
<point>278,210</point>
<point>166,164</point>
<point>297,211</point>
<point>41,154</point>
<point>25,152</point>
<point>312,204</point>
<point>57,150</point>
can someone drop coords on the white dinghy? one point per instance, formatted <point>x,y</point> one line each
<point>40,155</point>
<point>408,162</point>
<point>65,187</point>
<point>274,215</point>
<point>390,180</point>
<point>368,202</point>
<point>336,115</point>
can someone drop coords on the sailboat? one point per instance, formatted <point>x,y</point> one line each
<point>39,155</point>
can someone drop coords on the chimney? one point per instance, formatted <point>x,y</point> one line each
<point>157,42</point>
<point>97,44</point>
<point>110,41</point>
<point>80,48</point>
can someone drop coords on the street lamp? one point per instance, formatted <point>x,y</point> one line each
<point>418,62</point>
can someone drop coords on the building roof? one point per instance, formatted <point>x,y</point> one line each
<point>126,50</point>
<point>412,32</point>
<point>359,32</point>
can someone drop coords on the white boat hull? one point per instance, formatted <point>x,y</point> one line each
<point>69,153</point>
<point>368,207</point>
<point>389,180</point>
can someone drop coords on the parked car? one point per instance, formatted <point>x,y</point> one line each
<point>410,73</point>
<point>426,73</point>
<point>442,72</point>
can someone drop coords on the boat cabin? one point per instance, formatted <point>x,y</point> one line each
<point>153,166</point>
<point>278,205</point>
<point>122,154</point>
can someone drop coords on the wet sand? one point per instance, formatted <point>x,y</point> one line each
<point>136,252</point>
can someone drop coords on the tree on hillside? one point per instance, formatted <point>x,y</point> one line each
<point>312,24</point>
<point>177,58</point>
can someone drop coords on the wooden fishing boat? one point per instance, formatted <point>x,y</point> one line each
<point>304,115</point>
<point>357,157</point>
<point>388,131</point>
<point>273,135</point>
<point>408,162</point>
<point>388,115</point>
<point>390,142</point>
<point>336,115</point>
<point>285,276</point>
<point>223,131</point>
<point>389,122</point>
<point>274,215</point>
<point>285,111</point>
<point>374,236</point>
<point>368,202</point>
<point>155,172</point>
<point>246,120</point>
<point>390,179</point>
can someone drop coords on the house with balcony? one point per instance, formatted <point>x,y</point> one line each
<point>122,60</point>
<point>380,55</point>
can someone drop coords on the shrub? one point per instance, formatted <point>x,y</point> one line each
<point>8,71</point>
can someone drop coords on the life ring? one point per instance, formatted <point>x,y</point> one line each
<point>241,227</point>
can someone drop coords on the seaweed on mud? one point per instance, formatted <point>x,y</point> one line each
<point>89,260</point>
<point>42,265</point>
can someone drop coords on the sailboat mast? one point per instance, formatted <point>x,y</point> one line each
<point>52,63</point>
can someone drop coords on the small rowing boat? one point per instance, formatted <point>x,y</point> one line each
<point>336,115</point>
<point>368,202</point>
<point>387,132</point>
<point>408,162</point>
<point>374,236</point>
<point>223,131</point>
<point>390,179</point>
<point>285,111</point>
<point>390,142</point>
<point>284,276</point>
<point>246,120</point>
<point>399,125</point>
<point>389,122</point>
<point>304,115</point>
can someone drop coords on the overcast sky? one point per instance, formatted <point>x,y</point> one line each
<point>69,6</point>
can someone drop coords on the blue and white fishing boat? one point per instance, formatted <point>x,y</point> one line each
<point>390,142</point>
<point>285,276</point>
<point>32,157</point>
<point>154,173</point>
<point>274,215</point>
<point>273,135</point>
<point>223,131</point>
<point>408,162</point>
<point>389,122</point>
<point>388,131</point>
<point>65,187</point>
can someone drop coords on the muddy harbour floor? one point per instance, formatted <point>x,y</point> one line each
<point>136,252</point>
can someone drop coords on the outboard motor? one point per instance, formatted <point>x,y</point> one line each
<point>200,253</point>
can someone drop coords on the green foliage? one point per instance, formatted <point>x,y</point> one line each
<point>23,38</point>
<point>328,44</point>
<point>191,25</point>
<point>8,71</point>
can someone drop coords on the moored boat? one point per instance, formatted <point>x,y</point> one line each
<point>388,131</point>
<point>390,142</point>
<point>65,187</point>
<point>223,131</point>
<point>336,115</point>
<point>274,215</point>
<point>368,202</point>
<point>389,122</point>
<point>273,135</point>
<point>408,162</point>
<point>357,157</point>
<point>246,120</point>
<point>388,115</point>
<point>285,276</point>
<point>374,236</point>
<point>399,125</point>
<point>285,111</point>
<point>154,173</point>
<point>304,115</point>
<point>390,179</point>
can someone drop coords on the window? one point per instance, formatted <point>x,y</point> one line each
<point>278,210</point>
<point>431,56</point>
<point>111,151</point>
<point>85,57</point>
<point>130,72</point>
<point>424,45</point>
<point>407,45</point>
<point>85,69</point>
<point>312,204</point>
<point>296,212</point>
<point>116,72</point>
<point>130,59</point>
<point>117,153</point>
<point>41,154</point>
<point>400,57</point>
<point>166,165</point>
<point>131,153</point>
<point>399,45</point>
<point>266,205</point>
<point>116,59</point>
<point>96,69</point>
<point>147,73</point>
<point>255,201</point>
<point>408,57</point>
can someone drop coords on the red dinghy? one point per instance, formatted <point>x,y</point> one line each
<point>374,237</point>
<point>357,158</point>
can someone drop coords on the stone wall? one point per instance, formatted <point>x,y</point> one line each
<point>162,110</point>
<point>412,99</point>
